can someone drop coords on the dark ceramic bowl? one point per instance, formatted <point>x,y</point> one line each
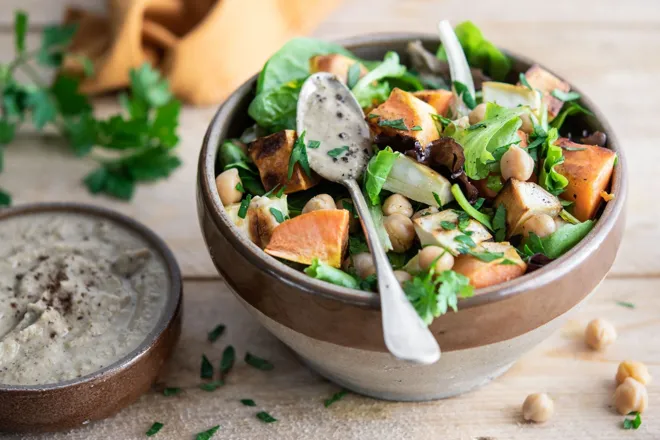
<point>69,404</point>
<point>337,331</point>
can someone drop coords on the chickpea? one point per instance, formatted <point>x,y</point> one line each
<point>630,396</point>
<point>599,334</point>
<point>538,408</point>
<point>443,259</point>
<point>424,212</point>
<point>402,276</point>
<point>559,222</point>
<point>516,163</point>
<point>397,204</point>
<point>354,222</point>
<point>477,115</point>
<point>226,182</point>
<point>364,264</point>
<point>401,231</point>
<point>318,203</point>
<point>634,369</point>
<point>540,224</point>
<point>527,125</point>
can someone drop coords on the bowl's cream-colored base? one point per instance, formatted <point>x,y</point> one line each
<point>381,375</point>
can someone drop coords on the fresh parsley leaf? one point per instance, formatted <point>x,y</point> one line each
<point>447,226</point>
<point>633,423</point>
<point>265,417</point>
<point>171,391</point>
<point>7,132</point>
<point>245,203</point>
<point>227,361</point>
<point>486,256</point>
<point>20,29</point>
<point>69,100</point>
<point>157,426</point>
<point>206,369</point>
<point>372,115</point>
<point>369,283</point>
<point>565,96</point>
<point>353,75</point>
<point>258,363</point>
<point>479,203</point>
<point>5,198</point>
<point>570,109</point>
<point>239,187</point>
<point>416,128</point>
<point>43,107</point>
<point>441,120</point>
<point>499,223</point>
<point>437,199</point>
<point>464,93</point>
<point>357,245</point>
<point>336,152</point>
<point>148,86</point>
<point>216,333</point>
<point>397,124</point>
<point>549,178</point>
<point>212,386</point>
<point>572,148</point>
<point>523,81</point>
<point>465,239</point>
<point>626,304</point>
<point>335,398</point>
<point>279,217</point>
<point>248,402</point>
<point>206,435</point>
<point>54,41</point>
<point>432,295</point>
<point>299,156</point>
<point>463,221</point>
<point>314,144</point>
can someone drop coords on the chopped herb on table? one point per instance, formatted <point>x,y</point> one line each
<point>172,391</point>
<point>206,369</point>
<point>265,417</point>
<point>227,361</point>
<point>258,363</point>
<point>216,333</point>
<point>206,435</point>
<point>157,426</point>
<point>248,402</point>
<point>634,423</point>
<point>212,386</point>
<point>626,304</point>
<point>335,398</point>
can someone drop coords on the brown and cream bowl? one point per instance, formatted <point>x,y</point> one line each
<point>90,310</point>
<point>337,332</point>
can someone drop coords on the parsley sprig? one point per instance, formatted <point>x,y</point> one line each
<point>133,146</point>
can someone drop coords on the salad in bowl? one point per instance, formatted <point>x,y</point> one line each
<point>474,176</point>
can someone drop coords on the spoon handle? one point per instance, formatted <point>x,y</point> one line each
<point>406,336</point>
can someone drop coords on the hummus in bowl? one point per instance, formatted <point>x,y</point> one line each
<point>90,310</point>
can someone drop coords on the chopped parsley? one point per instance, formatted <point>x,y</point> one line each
<point>524,82</point>
<point>626,304</point>
<point>468,98</point>
<point>227,361</point>
<point>465,239</point>
<point>239,187</point>
<point>265,417</point>
<point>279,217</point>
<point>314,144</point>
<point>245,204</point>
<point>437,199</point>
<point>486,256</point>
<point>499,223</point>
<point>216,333</point>
<point>248,402</point>
<point>447,226</point>
<point>479,203</point>
<point>206,435</point>
<point>357,245</point>
<point>206,370</point>
<point>573,148</point>
<point>335,398</point>
<point>372,115</point>
<point>212,386</point>
<point>299,156</point>
<point>433,294</point>
<point>441,119</point>
<point>336,152</point>
<point>157,426</point>
<point>416,128</point>
<point>171,391</point>
<point>258,363</point>
<point>632,423</point>
<point>397,124</point>
<point>565,96</point>
<point>476,126</point>
<point>353,75</point>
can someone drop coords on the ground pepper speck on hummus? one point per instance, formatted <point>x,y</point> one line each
<point>77,293</point>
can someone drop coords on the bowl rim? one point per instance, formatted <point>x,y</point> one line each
<point>216,133</point>
<point>168,313</point>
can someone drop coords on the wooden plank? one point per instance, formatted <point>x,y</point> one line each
<point>580,381</point>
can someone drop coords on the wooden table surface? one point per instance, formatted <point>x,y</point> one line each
<point>611,50</point>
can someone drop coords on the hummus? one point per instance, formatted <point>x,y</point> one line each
<point>77,293</point>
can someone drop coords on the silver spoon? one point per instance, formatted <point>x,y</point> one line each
<point>329,113</point>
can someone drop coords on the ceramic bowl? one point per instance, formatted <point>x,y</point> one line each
<point>73,403</point>
<point>337,331</point>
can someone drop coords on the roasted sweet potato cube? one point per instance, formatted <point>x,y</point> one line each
<point>271,156</point>
<point>440,99</point>
<point>417,127</point>
<point>546,82</point>
<point>336,64</point>
<point>484,274</point>
<point>588,169</point>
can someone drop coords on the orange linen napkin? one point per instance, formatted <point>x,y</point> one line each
<point>205,48</point>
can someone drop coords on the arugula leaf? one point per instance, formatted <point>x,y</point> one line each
<point>467,97</point>
<point>299,156</point>
<point>335,398</point>
<point>206,435</point>
<point>227,361</point>
<point>572,108</point>
<point>378,169</point>
<point>564,238</point>
<point>479,51</point>
<point>265,417</point>
<point>216,333</point>
<point>353,75</point>
<point>279,217</point>
<point>336,152</point>
<point>468,208</point>
<point>549,178</point>
<point>366,92</point>
<point>499,223</point>
<point>433,295</point>
<point>157,426</point>
<point>20,29</point>
<point>479,145</point>
<point>212,386</point>
<point>565,96</point>
<point>258,363</point>
<point>397,124</point>
<point>206,369</point>
<point>171,391</point>
<point>248,402</point>
<point>327,273</point>
<point>275,109</point>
